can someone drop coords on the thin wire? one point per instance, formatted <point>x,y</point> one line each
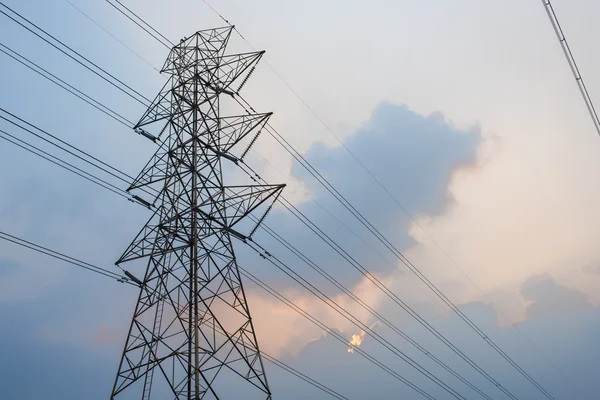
<point>572,64</point>
<point>63,257</point>
<point>59,82</point>
<point>72,57</point>
<point>111,35</point>
<point>135,22</point>
<point>364,271</point>
<point>97,163</point>
<point>222,17</point>
<point>69,167</point>
<point>63,148</point>
<point>593,114</point>
<point>145,23</point>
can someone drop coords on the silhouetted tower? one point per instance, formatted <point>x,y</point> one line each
<point>191,336</point>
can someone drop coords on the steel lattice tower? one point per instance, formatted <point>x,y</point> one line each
<point>191,336</point>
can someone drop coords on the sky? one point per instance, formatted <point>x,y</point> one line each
<point>467,114</point>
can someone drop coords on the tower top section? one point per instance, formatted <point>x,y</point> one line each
<point>202,56</point>
<point>211,42</point>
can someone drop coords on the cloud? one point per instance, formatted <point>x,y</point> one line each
<point>592,269</point>
<point>357,338</point>
<point>326,359</point>
<point>283,332</point>
<point>547,297</point>
<point>413,155</point>
<point>530,210</point>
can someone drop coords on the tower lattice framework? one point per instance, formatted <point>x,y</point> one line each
<point>191,335</point>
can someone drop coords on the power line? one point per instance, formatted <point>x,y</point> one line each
<point>64,85</point>
<point>572,64</point>
<point>320,234</point>
<point>63,257</point>
<point>72,150</point>
<point>164,41</point>
<point>110,79</point>
<point>82,96</point>
<point>63,164</point>
<point>111,35</point>
<point>102,271</point>
<point>354,263</point>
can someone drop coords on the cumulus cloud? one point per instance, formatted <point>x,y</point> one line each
<point>530,210</point>
<point>546,297</point>
<point>413,155</point>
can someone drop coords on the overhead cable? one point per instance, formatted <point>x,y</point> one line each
<point>572,64</point>
<point>64,85</point>
<point>80,59</point>
<point>111,35</point>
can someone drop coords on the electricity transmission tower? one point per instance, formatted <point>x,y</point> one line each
<point>191,336</point>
